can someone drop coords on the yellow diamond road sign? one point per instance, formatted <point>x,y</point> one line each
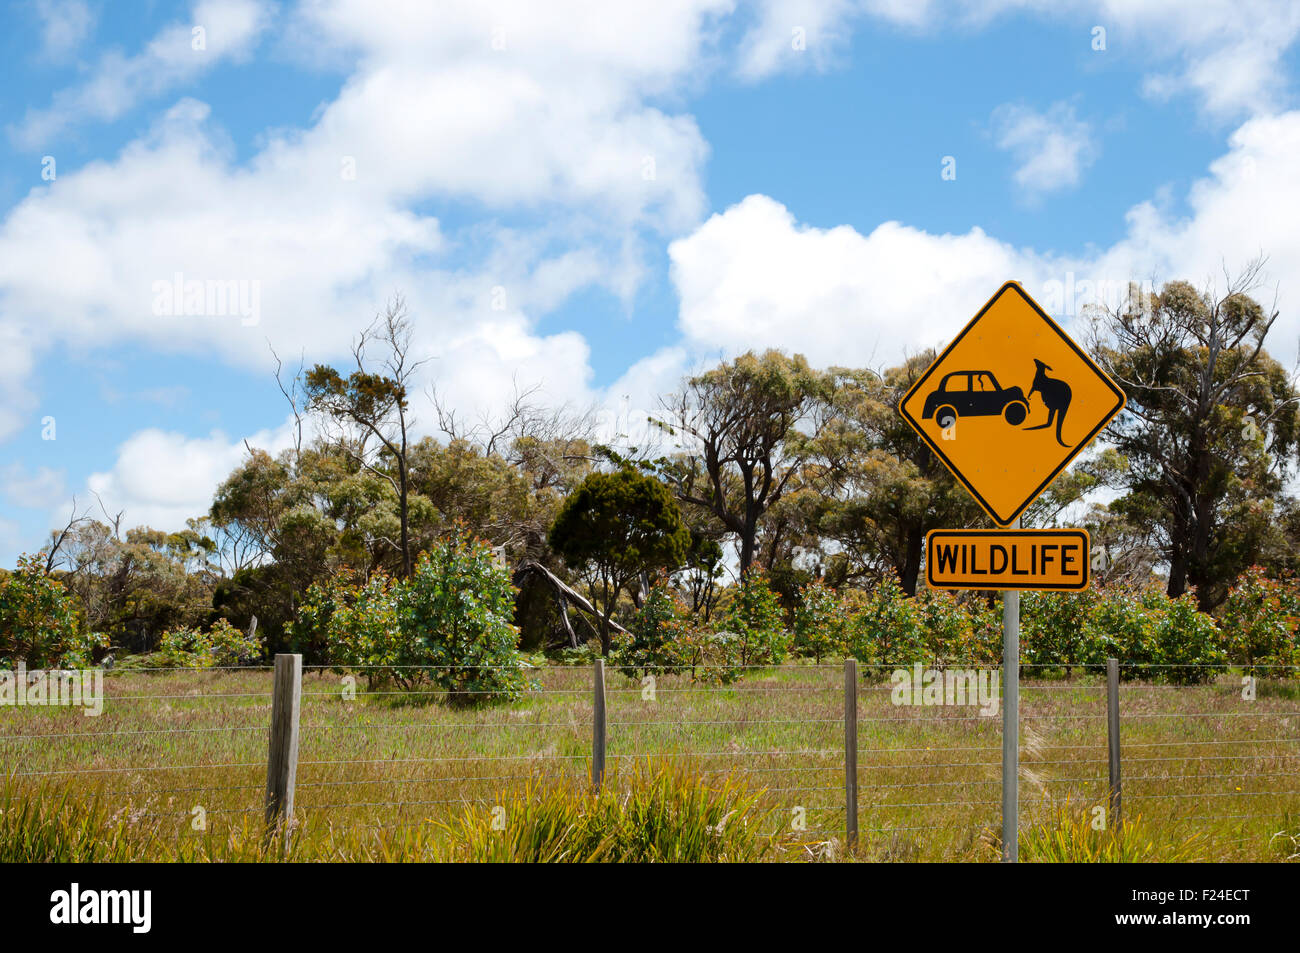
<point>1010,402</point>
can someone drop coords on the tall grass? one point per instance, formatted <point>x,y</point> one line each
<point>1070,838</point>
<point>662,813</point>
<point>380,778</point>
<point>41,827</point>
<point>56,829</point>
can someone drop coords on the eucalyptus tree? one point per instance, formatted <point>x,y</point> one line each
<point>1210,429</point>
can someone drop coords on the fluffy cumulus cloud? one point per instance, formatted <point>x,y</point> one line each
<point>1051,148</point>
<point>1238,211</point>
<point>753,277</point>
<point>518,102</point>
<point>1229,54</point>
<point>513,106</point>
<point>91,258</point>
<point>162,478</point>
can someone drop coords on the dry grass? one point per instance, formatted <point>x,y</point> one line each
<point>388,776</point>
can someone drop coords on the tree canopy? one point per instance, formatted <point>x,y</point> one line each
<point>1209,432</point>
<point>761,462</point>
<point>616,526</point>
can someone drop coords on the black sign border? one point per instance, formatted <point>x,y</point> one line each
<point>916,425</point>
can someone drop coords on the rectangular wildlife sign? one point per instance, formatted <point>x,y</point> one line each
<point>1009,403</point>
<point>1046,559</point>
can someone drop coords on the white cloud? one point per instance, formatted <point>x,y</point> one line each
<point>1052,148</point>
<point>557,125</point>
<point>557,121</point>
<point>800,34</point>
<point>117,83</point>
<point>161,478</point>
<point>556,114</point>
<point>752,277</point>
<point>1240,210</point>
<point>17,398</point>
<point>478,369</point>
<point>1228,54</point>
<point>79,258</point>
<point>65,25</point>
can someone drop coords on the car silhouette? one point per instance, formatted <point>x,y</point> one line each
<point>974,394</point>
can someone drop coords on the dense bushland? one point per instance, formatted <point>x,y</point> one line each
<point>448,625</point>
<point>1154,635</point>
<point>805,482</point>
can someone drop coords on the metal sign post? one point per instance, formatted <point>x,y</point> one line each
<point>996,407</point>
<point>1011,723</point>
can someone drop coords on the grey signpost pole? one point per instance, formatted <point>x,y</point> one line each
<point>1014,331</point>
<point>1011,722</point>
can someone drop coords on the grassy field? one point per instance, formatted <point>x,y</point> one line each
<point>388,775</point>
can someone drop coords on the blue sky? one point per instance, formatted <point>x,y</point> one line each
<point>589,197</point>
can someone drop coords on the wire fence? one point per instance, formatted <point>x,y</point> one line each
<point>1215,761</point>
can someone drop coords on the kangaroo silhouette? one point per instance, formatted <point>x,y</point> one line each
<point>1056,396</point>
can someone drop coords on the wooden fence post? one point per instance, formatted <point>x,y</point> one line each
<point>1112,738</point>
<point>851,750</point>
<point>598,725</point>
<point>282,757</point>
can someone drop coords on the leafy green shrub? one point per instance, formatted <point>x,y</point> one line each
<point>949,625</point>
<point>1190,644</point>
<point>448,625</point>
<point>360,626</point>
<point>79,650</point>
<point>889,629</point>
<point>982,644</point>
<point>1259,620</point>
<point>39,621</point>
<point>1122,625</point>
<point>658,630</point>
<point>459,603</point>
<point>1054,629</point>
<point>756,622</point>
<point>308,633</point>
<point>821,623</point>
<point>221,646</point>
